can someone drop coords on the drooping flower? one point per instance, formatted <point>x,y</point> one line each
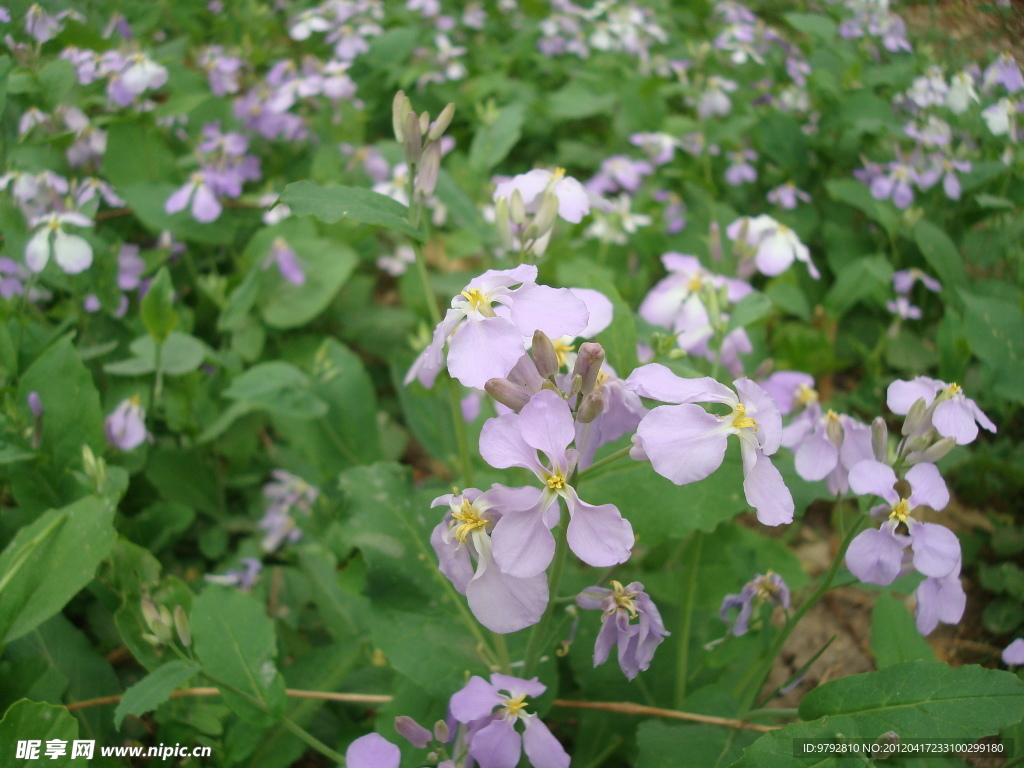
<point>501,602</point>
<point>788,196</point>
<point>904,279</point>
<point>775,245</point>
<point>492,709</point>
<point>243,578</point>
<point>287,493</point>
<point>205,205</point>
<point>72,253</point>
<point>523,544</point>
<point>636,642</point>
<point>940,599</point>
<point>685,443</point>
<point>288,263</point>
<point>486,341</point>
<point>954,414</point>
<point>125,428</point>
<point>769,587</point>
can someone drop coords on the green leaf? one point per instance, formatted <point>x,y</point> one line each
<point>660,744</point>
<point>812,24</point>
<point>277,387</point>
<point>157,310</point>
<point>327,265</point>
<point>49,561</point>
<point>235,641</point>
<point>137,154</point>
<point>576,101</point>
<point>749,310</point>
<point>71,403</point>
<point>492,142</point>
<point>32,721</point>
<point>865,278</point>
<point>995,331</point>
<point>186,477</point>
<point>154,689</point>
<point>894,636</point>
<point>775,749</point>
<point>921,699</point>
<point>180,354</point>
<point>853,192</point>
<point>940,252</point>
<point>336,202</point>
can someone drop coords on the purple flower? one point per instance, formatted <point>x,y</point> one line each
<point>903,309</point>
<point>492,709</point>
<point>573,201</point>
<point>221,71</point>
<point>72,253</point>
<point>40,25</point>
<point>715,100</point>
<point>790,389</point>
<point>500,601</point>
<point>659,147</point>
<point>940,599</point>
<point>523,544</point>
<point>875,555</point>
<point>1005,72</point>
<point>243,578</point>
<point>769,587</point>
<point>787,196</point>
<point>484,341</point>
<point>1013,654</point>
<point>685,443</point>
<point>125,428</point>
<point>903,281</point>
<point>953,415</point>
<point>11,283</point>
<point>687,277</point>
<point>35,404</point>
<point>896,184</point>
<point>287,261</point>
<point>372,751</point>
<point>287,493</point>
<point>205,206</point>
<point>775,245</point>
<point>130,267</point>
<point>636,642</point>
<point>740,171</point>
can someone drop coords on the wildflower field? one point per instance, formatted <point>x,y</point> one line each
<point>404,383</point>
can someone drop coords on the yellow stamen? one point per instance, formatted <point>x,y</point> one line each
<point>469,521</point>
<point>696,283</point>
<point>832,415</point>
<point>741,420</point>
<point>513,706</point>
<point>560,349</point>
<point>953,389</point>
<point>623,599</point>
<point>806,394</point>
<point>900,511</point>
<point>556,482</point>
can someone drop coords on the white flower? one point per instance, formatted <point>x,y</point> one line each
<point>961,92</point>
<point>776,245</point>
<point>72,253</point>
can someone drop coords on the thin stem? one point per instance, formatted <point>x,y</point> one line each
<point>605,461</point>
<point>501,652</point>
<point>606,752</point>
<point>535,645</point>
<point>629,708</point>
<point>311,740</point>
<point>461,438</point>
<point>686,623</point>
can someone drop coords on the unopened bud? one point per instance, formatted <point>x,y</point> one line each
<point>150,612</point>
<point>430,166</point>
<point>412,731</point>
<point>503,223</point>
<point>591,407</point>
<point>35,404</point>
<point>715,241</point>
<point>879,438</point>
<point>915,417</point>
<point>181,626</point>
<point>937,450</point>
<point>424,123</point>
<point>400,107</point>
<point>516,209</point>
<point>440,125</point>
<point>441,731</point>
<point>412,143</point>
<point>508,394</point>
<point>544,220</point>
<point>588,365</point>
<point>544,355</point>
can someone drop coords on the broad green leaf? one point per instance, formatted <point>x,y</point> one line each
<point>12,454</point>
<point>327,265</point>
<point>33,721</point>
<point>49,561</point>
<point>660,744</point>
<point>776,749</point>
<point>136,154</point>
<point>894,636</point>
<point>277,387</point>
<point>186,477</point>
<point>338,611</point>
<point>337,202</point>
<point>865,278</point>
<point>236,643</point>
<point>995,330</point>
<point>853,192</point>
<point>180,354</point>
<point>148,198</point>
<point>813,24</point>
<point>154,689</point>
<point>492,142</point>
<point>576,101</point>
<point>920,699</point>
<point>157,308</point>
<point>71,403</point>
<point>749,310</point>
<point>940,252</point>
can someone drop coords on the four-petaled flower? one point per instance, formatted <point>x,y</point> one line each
<point>636,642</point>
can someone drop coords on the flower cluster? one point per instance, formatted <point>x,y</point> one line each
<point>225,166</point>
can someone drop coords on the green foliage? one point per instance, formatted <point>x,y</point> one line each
<point>33,721</point>
<point>337,202</point>
<point>154,689</point>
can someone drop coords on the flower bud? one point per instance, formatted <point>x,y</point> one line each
<point>879,438</point>
<point>588,365</point>
<point>182,627</point>
<point>591,407</point>
<point>440,125</point>
<point>516,209</point>
<point>441,732</point>
<point>544,355</point>
<point>35,404</point>
<point>715,241</point>
<point>150,612</point>
<point>503,223</point>
<point>412,144</point>
<point>400,107</point>
<point>430,166</point>
<point>544,220</point>
<point>424,123</point>
<point>937,450</point>
<point>412,731</point>
<point>915,417</point>
<point>508,394</point>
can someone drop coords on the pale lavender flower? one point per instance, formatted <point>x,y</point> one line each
<point>573,201</point>
<point>287,261</point>
<point>72,253</point>
<point>775,246</point>
<point>1013,654</point>
<point>766,588</point>
<point>11,282</point>
<point>930,89</point>
<point>130,267</point>
<point>287,493</point>
<point>372,751</point>
<point>694,330</point>
<point>674,213</point>
<point>88,189</point>
<point>135,75</point>
<point>492,709</point>
<point>243,578</point>
<point>787,196</point>
<point>523,544</point>
<point>399,262</point>
<point>91,303</point>
<point>896,184</point>
<point>875,555</point>
<point>486,342</point>
<point>954,414</point>
<point>501,601</point>
<point>790,390</point>
<point>740,170</point>
<point>125,428</point>
<point>903,281</point>
<point>621,172</point>
<point>686,277</point>
<point>5,15</point>
<point>685,443</point>
<point>205,205</point>
<point>715,100</point>
<point>222,72</point>
<point>1001,118</point>
<point>934,132</point>
<point>90,143</point>
<point>903,309</point>
<point>35,404</point>
<point>636,642</point>
<point>961,92</point>
<point>1005,72</point>
<point>40,25</point>
<point>660,147</point>
<point>940,599</point>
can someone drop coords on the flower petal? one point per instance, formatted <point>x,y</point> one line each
<point>496,745</point>
<point>504,603</point>
<point>954,418</point>
<point>553,311</point>
<point>522,543</point>
<point>936,549</point>
<point>372,751</point>
<point>875,556</point>
<point>767,492</point>
<point>475,701</point>
<point>502,444</point>
<point>542,749</point>
<point>684,442</point>
<point>546,424</point>
<point>71,252</point>
<point>37,252</point>
<point>927,486</point>
<point>659,383</point>
<point>482,349</point>
<point>875,478</point>
<point>598,535</point>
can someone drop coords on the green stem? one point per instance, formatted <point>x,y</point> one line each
<point>535,645</point>
<point>686,623</point>
<point>428,292</point>
<point>158,380</point>
<point>826,583</point>
<point>461,437</point>
<point>313,741</point>
<point>501,652</point>
<point>605,461</point>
